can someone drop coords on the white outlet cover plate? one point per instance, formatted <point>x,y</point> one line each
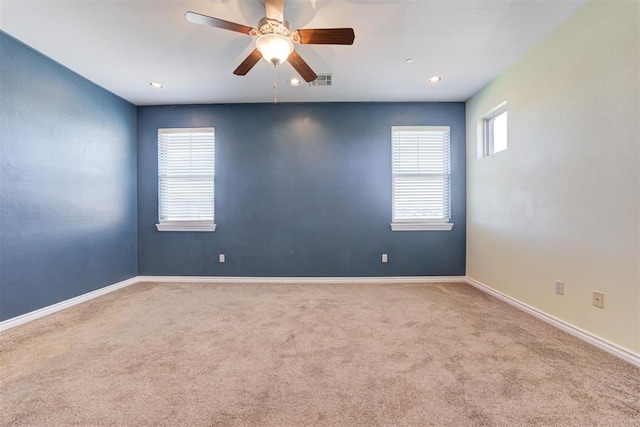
<point>598,299</point>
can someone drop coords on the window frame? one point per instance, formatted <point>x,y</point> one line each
<point>488,134</point>
<point>421,224</point>
<point>198,225</point>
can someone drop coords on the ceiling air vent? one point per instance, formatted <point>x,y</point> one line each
<point>323,80</point>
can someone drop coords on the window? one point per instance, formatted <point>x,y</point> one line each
<point>186,179</point>
<point>421,178</point>
<point>495,130</point>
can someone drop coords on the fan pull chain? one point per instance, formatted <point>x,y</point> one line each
<point>275,84</point>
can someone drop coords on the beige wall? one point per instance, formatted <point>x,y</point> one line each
<point>563,201</point>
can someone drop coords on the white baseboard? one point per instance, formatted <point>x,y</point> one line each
<point>303,280</point>
<point>601,343</point>
<point>33,315</point>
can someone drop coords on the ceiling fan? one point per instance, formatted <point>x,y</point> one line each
<point>276,40</point>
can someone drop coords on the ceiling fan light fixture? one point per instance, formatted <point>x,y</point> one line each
<point>274,48</point>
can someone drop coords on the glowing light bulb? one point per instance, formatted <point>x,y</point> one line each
<point>275,48</point>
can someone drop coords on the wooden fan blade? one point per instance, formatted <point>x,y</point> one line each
<point>248,63</point>
<point>327,36</point>
<point>210,21</point>
<point>274,9</point>
<point>302,67</point>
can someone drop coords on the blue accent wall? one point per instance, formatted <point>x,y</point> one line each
<point>67,183</point>
<point>301,190</point>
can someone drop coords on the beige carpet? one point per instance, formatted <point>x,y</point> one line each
<point>205,354</point>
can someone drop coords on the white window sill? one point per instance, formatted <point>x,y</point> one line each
<point>186,226</point>
<point>421,226</point>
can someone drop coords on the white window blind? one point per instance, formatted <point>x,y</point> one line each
<point>186,179</point>
<point>421,178</point>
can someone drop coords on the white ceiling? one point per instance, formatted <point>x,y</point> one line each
<point>122,45</point>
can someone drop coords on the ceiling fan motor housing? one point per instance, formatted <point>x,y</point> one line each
<point>273,26</point>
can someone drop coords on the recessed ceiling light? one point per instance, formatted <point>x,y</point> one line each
<point>434,79</point>
<point>409,60</point>
<point>156,85</point>
<point>294,82</point>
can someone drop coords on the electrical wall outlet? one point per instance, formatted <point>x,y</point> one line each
<point>559,287</point>
<point>221,258</point>
<point>598,299</point>
<point>385,258</point>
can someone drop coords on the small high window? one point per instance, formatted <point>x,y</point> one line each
<point>495,130</point>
